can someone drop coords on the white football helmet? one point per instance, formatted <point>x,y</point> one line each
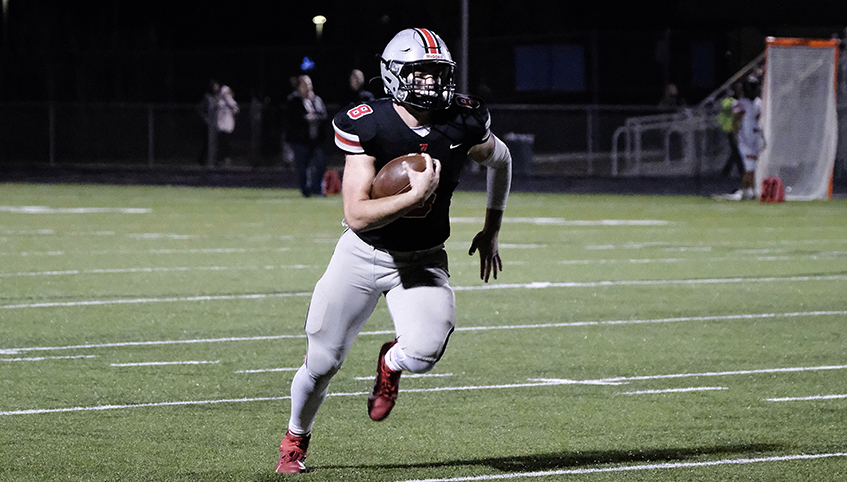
<point>417,70</point>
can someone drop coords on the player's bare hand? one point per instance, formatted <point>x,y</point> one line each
<point>425,182</point>
<point>489,254</point>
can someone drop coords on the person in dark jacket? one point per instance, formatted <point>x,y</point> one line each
<point>306,130</point>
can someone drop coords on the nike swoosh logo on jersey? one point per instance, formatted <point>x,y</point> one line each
<point>453,146</point>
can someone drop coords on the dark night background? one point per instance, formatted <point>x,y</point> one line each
<point>157,51</point>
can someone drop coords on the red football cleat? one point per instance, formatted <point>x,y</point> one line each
<point>386,386</point>
<point>292,453</point>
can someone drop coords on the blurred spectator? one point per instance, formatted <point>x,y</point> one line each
<point>725,120</point>
<point>218,110</point>
<point>747,111</point>
<point>671,97</point>
<point>294,83</point>
<point>358,93</point>
<point>306,131</point>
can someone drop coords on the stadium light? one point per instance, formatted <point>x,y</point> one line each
<point>319,21</point>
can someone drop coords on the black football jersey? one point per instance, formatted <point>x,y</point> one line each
<point>375,129</point>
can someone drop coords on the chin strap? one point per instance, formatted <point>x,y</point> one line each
<point>499,175</point>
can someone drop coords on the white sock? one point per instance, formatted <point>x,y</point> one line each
<point>393,357</point>
<point>397,360</point>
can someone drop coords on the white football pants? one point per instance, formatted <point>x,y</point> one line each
<point>419,299</point>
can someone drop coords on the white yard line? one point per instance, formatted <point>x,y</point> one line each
<point>412,375</point>
<point>660,244</point>
<point>619,380</point>
<point>157,300</point>
<point>566,222</point>
<point>803,399</point>
<point>504,286</point>
<point>153,270</point>
<point>673,390</point>
<point>149,343</point>
<point>146,251</point>
<point>734,259</point>
<point>49,210</point>
<point>638,467</point>
<point>815,257</point>
<point>595,284</point>
<point>548,382</point>
<point>267,370</point>
<point>151,364</point>
<point>818,256</point>
<point>754,316</point>
<point>42,358</point>
<point>38,411</point>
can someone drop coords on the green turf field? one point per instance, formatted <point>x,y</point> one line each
<point>149,333</point>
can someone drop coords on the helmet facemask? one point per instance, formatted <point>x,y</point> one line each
<point>425,84</point>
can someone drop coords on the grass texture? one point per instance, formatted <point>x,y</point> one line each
<point>150,333</point>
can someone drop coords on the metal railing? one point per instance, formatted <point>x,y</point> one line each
<point>688,143</point>
<point>566,140</point>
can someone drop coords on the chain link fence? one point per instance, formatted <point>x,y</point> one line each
<point>556,139</point>
<point>546,140</point>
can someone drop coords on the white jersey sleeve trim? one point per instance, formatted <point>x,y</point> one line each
<point>347,142</point>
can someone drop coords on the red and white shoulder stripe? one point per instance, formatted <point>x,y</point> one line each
<point>346,141</point>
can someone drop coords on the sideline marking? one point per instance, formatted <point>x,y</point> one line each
<point>594,284</point>
<point>154,270</point>
<point>548,382</point>
<point>145,251</point>
<point>672,390</point>
<point>49,210</point>
<point>42,358</point>
<point>828,256</point>
<point>265,370</point>
<point>802,399</point>
<point>465,328</point>
<point>157,300</point>
<point>505,286</point>
<point>412,375</point>
<point>565,222</point>
<point>660,244</point>
<point>630,468</point>
<point>615,380</point>
<point>150,364</point>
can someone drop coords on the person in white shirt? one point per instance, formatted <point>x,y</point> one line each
<point>218,111</point>
<point>746,114</point>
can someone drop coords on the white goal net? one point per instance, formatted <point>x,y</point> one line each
<point>799,116</point>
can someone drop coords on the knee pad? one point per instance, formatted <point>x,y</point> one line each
<point>322,363</point>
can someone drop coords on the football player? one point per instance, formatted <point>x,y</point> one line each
<point>394,246</point>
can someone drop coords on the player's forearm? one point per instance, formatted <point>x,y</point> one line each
<point>367,214</point>
<point>493,220</point>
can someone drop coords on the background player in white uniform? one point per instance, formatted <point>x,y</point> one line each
<point>394,246</point>
<point>747,110</point>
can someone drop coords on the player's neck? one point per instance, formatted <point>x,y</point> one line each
<point>412,117</point>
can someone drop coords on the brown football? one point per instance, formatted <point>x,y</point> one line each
<point>392,178</point>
